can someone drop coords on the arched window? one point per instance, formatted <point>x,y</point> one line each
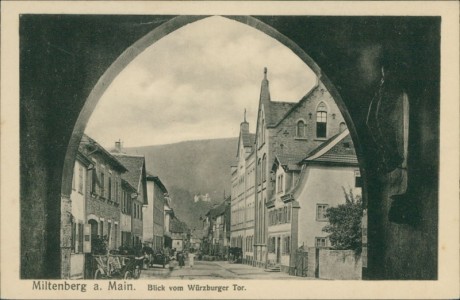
<point>264,168</point>
<point>342,126</point>
<point>259,171</point>
<point>263,131</point>
<point>321,121</point>
<point>301,129</point>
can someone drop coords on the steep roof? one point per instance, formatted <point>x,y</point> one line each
<point>96,147</point>
<point>157,181</point>
<point>277,111</point>
<point>135,166</point>
<point>220,208</point>
<point>338,149</point>
<point>284,112</point>
<point>177,226</point>
<point>248,139</point>
<point>290,160</point>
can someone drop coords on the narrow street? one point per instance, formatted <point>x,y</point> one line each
<point>214,270</point>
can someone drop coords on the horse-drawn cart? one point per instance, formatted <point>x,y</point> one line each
<point>118,266</point>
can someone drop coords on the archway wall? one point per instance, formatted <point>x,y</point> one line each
<point>63,58</point>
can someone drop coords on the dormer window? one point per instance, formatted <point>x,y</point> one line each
<point>301,129</point>
<point>321,121</point>
<point>280,183</point>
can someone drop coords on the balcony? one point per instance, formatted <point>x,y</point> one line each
<point>270,203</point>
<point>287,198</point>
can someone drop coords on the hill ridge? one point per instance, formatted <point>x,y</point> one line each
<point>189,168</point>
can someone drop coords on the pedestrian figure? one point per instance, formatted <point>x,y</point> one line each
<point>191,259</point>
<point>181,259</point>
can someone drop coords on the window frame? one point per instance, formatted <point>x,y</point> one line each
<point>323,218</point>
<point>299,134</point>
<point>320,240</point>
<point>321,120</point>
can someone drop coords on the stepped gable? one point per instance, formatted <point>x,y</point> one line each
<point>338,149</point>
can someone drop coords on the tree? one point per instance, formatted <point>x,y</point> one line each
<point>345,223</point>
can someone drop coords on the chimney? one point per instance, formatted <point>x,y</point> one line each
<point>118,146</point>
<point>244,126</point>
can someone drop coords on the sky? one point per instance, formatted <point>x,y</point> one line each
<point>195,83</point>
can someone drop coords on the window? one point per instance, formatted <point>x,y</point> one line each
<point>264,168</point>
<point>280,183</point>
<point>80,179</point>
<point>301,129</point>
<point>102,183</point>
<point>102,228</point>
<point>73,237</point>
<point>259,180</point>
<point>116,190</point>
<point>93,181</point>
<point>321,212</point>
<point>320,242</point>
<point>80,238</point>
<point>321,121</point>
<point>272,248</point>
<point>263,131</point>
<point>358,179</point>
<point>115,237</point>
<point>109,188</point>
<point>109,232</point>
<point>287,245</point>
<point>289,214</point>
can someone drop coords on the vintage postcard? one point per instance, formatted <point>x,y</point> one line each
<point>229,150</point>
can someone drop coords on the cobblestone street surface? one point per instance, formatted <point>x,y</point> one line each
<point>215,270</point>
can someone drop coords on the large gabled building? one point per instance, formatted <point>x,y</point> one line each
<point>282,128</point>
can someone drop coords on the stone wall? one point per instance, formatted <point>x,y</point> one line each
<point>55,106</point>
<point>339,264</point>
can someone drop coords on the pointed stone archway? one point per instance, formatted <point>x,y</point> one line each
<point>68,61</point>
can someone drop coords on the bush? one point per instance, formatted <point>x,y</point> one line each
<point>345,223</point>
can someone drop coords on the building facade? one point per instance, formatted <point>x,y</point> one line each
<point>242,194</point>
<point>79,196</point>
<point>103,203</point>
<point>305,188</point>
<point>136,177</point>
<point>286,129</point>
<point>154,213</point>
<point>128,193</point>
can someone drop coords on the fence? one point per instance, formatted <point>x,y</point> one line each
<point>301,263</point>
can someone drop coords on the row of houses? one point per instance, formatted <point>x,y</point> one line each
<point>117,206</point>
<point>296,165</point>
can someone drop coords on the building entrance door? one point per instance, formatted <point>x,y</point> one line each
<point>278,250</point>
